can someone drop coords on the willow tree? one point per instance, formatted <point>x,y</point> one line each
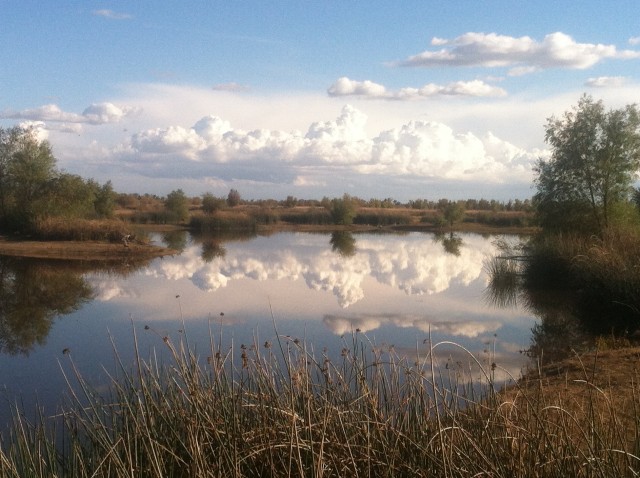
<point>595,155</point>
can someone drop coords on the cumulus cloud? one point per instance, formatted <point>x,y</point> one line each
<point>346,87</point>
<point>367,89</point>
<point>95,114</point>
<point>634,41</point>
<point>522,54</point>
<point>212,147</point>
<point>110,14</point>
<point>606,81</point>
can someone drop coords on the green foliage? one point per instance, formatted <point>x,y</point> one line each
<point>66,195</point>
<point>32,189</point>
<point>105,199</point>
<point>177,205</point>
<point>233,198</point>
<point>595,156</point>
<point>453,212</point>
<point>342,210</point>
<point>211,204</point>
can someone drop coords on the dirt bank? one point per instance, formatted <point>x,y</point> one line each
<point>81,250</point>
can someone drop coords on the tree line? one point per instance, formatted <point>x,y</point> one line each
<point>33,188</point>
<point>586,185</point>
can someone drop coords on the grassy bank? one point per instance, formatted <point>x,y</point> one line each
<point>281,409</point>
<point>253,218</point>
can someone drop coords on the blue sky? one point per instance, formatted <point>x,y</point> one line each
<point>310,98</point>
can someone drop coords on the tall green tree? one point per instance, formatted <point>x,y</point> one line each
<point>177,205</point>
<point>233,198</point>
<point>105,199</point>
<point>342,210</point>
<point>8,146</point>
<point>595,154</point>
<point>453,211</point>
<point>27,165</point>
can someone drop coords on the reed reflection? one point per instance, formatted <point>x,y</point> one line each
<point>570,318</point>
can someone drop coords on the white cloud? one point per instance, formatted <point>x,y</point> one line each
<point>424,149</point>
<point>103,113</point>
<point>634,41</point>
<point>347,87</point>
<point>95,114</point>
<point>522,54</point>
<point>367,89</point>
<point>38,127</point>
<point>110,14</point>
<point>606,81</point>
<point>168,141</point>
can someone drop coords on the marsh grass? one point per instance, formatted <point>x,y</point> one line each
<point>60,229</point>
<point>282,409</point>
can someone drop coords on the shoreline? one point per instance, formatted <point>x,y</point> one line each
<point>81,250</point>
<point>105,251</point>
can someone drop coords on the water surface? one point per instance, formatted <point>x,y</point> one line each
<point>394,290</point>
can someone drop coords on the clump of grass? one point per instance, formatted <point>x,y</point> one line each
<point>602,272</point>
<point>222,222</point>
<point>311,215</point>
<point>60,229</point>
<point>280,409</point>
<point>383,217</point>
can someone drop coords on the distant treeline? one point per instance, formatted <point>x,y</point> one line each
<point>148,202</point>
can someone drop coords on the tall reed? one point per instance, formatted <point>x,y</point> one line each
<point>282,409</point>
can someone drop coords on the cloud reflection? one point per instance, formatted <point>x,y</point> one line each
<point>341,325</point>
<point>415,264</point>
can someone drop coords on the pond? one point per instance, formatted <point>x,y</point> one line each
<point>395,291</point>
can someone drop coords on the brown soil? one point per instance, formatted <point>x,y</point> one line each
<point>81,250</point>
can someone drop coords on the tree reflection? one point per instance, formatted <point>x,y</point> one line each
<point>344,243</point>
<point>32,295</point>
<point>212,249</point>
<point>451,243</point>
<point>176,240</point>
<point>567,322</point>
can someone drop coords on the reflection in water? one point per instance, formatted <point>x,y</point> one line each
<point>344,243</point>
<point>34,292</point>
<point>341,325</point>
<point>407,263</point>
<point>451,243</point>
<point>398,289</point>
<point>32,295</point>
<point>570,318</point>
<point>212,249</point>
<point>176,240</point>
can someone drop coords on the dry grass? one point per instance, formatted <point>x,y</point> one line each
<point>278,409</point>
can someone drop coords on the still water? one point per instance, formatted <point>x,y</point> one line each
<point>393,290</point>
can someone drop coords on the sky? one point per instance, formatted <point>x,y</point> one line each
<point>378,99</point>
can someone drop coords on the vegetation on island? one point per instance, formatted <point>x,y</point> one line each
<point>283,408</point>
